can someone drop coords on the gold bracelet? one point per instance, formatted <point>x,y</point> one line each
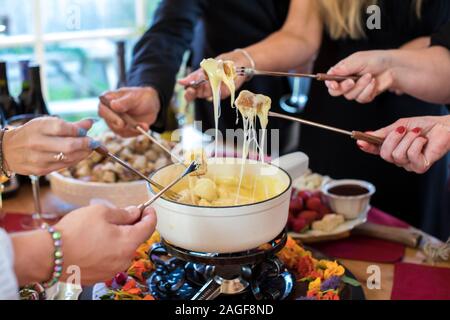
<point>5,175</point>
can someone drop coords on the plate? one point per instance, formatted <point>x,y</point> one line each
<point>317,235</point>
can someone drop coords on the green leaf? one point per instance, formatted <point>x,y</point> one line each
<point>350,281</point>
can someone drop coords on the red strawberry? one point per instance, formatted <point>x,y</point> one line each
<point>121,278</point>
<point>305,195</point>
<point>299,225</point>
<point>309,216</point>
<point>323,210</point>
<point>296,204</point>
<point>314,204</point>
<point>291,220</point>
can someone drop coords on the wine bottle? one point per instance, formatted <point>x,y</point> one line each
<point>37,105</point>
<point>121,64</point>
<point>8,105</point>
<point>24,96</point>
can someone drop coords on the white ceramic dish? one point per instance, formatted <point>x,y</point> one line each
<point>316,235</point>
<point>228,229</point>
<point>351,207</point>
<point>80,193</point>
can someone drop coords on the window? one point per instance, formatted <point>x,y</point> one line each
<point>74,41</point>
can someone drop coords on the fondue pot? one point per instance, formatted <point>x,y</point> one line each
<point>228,229</point>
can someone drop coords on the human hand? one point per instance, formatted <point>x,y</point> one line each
<point>32,149</point>
<point>142,104</point>
<point>413,143</point>
<point>101,240</point>
<point>204,91</point>
<point>375,69</point>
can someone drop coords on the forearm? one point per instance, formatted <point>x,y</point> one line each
<point>295,44</point>
<point>283,51</point>
<point>424,74</point>
<point>33,253</point>
<point>158,54</point>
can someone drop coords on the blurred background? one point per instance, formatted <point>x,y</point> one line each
<point>77,43</point>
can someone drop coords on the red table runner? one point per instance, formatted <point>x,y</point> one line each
<point>365,248</point>
<point>416,282</point>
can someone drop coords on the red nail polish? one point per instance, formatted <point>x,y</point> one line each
<point>401,130</point>
<point>417,130</point>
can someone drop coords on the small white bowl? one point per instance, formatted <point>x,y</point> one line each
<point>351,207</point>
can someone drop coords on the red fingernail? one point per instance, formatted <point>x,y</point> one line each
<point>401,130</point>
<point>417,130</point>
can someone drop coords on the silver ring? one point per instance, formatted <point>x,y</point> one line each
<point>60,157</point>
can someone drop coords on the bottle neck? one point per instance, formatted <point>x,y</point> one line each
<point>4,90</point>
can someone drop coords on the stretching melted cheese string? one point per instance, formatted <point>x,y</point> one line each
<point>252,106</point>
<point>219,72</point>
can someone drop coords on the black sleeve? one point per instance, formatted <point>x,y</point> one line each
<point>442,37</point>
<point>158,54</point>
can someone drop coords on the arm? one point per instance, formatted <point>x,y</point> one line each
<point>100,240</point>
<point>413,143</point>
<point>32,249</point>
<point>421,73</point>
<point>294,45</point>
<point>158,54</point>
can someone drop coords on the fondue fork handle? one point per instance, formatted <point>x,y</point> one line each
<point>358,135</point>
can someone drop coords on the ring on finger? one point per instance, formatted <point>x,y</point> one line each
<point>427,163</point>
<point>60,157</point>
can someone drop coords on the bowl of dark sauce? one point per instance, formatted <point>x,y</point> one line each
<point>351,198</point>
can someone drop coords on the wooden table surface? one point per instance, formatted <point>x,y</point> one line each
<point>23,203</point>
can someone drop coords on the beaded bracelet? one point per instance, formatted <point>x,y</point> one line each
<point>57,255</point>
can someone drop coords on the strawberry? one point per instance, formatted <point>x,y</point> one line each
<point>305,195</point>
<point>299,225</point>
<point>291,220</point>
<point>308,216</point>
<point>314,204</point>
<point>296,204</point>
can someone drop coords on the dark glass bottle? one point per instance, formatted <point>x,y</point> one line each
<point>8,105</point>
<point>37,105</point>
<point>121,65</point>
<point>24,96</point>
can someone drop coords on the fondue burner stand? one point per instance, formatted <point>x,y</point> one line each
<point>185,275</point>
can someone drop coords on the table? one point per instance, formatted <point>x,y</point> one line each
<point>23,203</point>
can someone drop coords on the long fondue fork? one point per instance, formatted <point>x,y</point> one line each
<point>248,72</point>
<point>357,135</point>
<point>131,123</point>
<point>104,151</point>
<point>192,168</point>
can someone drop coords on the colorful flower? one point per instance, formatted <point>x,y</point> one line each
<point>315,285</point>
<point>331,283</point>
<point>305,266</point>
<point>331,268</point>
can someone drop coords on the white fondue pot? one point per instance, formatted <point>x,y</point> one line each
<point>228,229</point>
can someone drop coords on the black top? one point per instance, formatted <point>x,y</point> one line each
<point>209,27</point>
<point>442,38</point>
<point>419,199</point>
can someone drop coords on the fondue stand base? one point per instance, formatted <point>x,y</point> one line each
<point>255,274</point>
